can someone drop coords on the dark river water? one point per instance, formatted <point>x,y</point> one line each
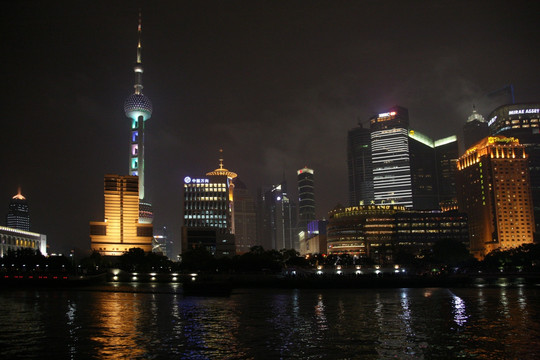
<point>430,323</point>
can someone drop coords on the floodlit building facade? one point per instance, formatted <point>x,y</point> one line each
<point>16,239</point>
<point>494,190</point>
<point>390,158</point>
<point>378,232</point>
<point>121,229</point>
<point>522,121</point>
<point>209,219</point>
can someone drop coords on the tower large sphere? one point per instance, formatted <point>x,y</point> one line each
<point>138,103</point>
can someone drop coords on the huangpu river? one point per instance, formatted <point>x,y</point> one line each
<point>147,321</point>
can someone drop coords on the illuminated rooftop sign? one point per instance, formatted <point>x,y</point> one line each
<point>492,120</point>
<point>189,180</point>
<point>387,114</point>
<point>523,111</point>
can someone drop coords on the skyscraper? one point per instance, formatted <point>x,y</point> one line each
<point>245,218</point>
<point>209,219</point>
<point>18,216</point>
<point>390,157</point>
<point>121,229</point>
<point>277,219</point>
<point>432,170</point>
<point>522,121</point>
<point>359,166</point>
<point>494,190</point>
<point>138,109</point>
<point>306,197</point>
<point>475,129</point>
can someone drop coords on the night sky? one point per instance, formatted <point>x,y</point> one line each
<point>276,84</point>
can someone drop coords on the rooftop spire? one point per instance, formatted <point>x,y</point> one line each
<point>139,31</point>
<point>138,66</point>
<point>221,170</point>
<point>221,158</point>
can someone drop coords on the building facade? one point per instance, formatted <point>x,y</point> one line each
<point>306,197</point>
<point>18,216</point>
<point>522,121</point>
<point>359,166</point>
<point>392,183</point>
<point>314,239</point>
<point>494,190</point>
<point>15,239</point>
<point>433,169</point>
<point>121,229</point>
<point>209,219</point>
<point>277,218</point>
<point>245,218</point>
<point>379,232</point>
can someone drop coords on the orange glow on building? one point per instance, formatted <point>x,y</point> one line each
<point>494,190</point>
<point>121,229</point>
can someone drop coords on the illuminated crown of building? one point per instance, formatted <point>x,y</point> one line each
<point>475,116</point>
<point>221,170</point>
<point>138,104</point>
<point>19,196</point>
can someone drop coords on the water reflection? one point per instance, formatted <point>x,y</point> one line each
<point>272,324</point>
<point>117,315</point>
<point>320,316</point>
<point>460,313</point>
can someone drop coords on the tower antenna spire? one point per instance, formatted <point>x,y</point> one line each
<point>138,68</point>
<point>221,158</point>
<point>139,32</point>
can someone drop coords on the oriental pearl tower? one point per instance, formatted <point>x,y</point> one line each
<point>138,109</point>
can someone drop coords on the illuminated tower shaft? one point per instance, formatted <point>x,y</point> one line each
<point>139,109</point>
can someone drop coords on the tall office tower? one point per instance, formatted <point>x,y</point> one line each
<point>423,171</point>
<point>494,190</point>
<point>160,243</point>
<point>522,121</point>
<point>277,223</point>
<point>209,212</point>
<point>446,155</point>
<point>390,157</point>
<point>433,170</point>
<point>18,216</point>
<point>359,166</point>
<point>121,229</point>
<point>475,129</point>
<point>138,109</point>
<point>245,218</point>
<point>306,197</point>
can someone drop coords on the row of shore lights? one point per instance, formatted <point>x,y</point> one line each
<point>358,271</point>
<point>135,276</point>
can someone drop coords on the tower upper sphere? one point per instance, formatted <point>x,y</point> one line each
<point>138,103</point>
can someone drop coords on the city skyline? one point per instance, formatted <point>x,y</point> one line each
<point>275,86</point>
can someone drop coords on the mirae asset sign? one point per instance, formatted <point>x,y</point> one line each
<point>523,111</point>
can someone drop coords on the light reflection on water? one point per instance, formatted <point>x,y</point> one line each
<point>484,323</point>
